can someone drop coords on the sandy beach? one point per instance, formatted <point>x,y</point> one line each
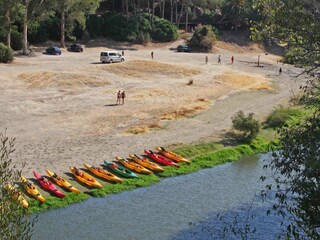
<point>62,112</point>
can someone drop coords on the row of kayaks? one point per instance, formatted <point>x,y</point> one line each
<point>126,168</point>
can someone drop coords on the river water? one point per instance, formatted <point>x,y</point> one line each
<point>184,207</point>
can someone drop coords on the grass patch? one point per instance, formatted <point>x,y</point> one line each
<point>281,116</point>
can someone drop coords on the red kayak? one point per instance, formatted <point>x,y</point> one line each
<point>49,186</point>
<point>161,159</point>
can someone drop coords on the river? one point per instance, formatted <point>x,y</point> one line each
<point>184,207</point>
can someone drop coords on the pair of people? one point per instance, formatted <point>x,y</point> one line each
<point>121,95</point>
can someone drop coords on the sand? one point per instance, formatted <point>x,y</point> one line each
<point>62,112</point>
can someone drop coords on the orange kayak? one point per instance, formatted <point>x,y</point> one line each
<point>100,172</point>
<point>146,163</point>
<point>85,178</point>
<point>172,155</point>
<point>62,182</point>
<point>133,166</point>
<point>32,190</point>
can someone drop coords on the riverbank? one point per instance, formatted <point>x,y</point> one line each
<point>207,158</point>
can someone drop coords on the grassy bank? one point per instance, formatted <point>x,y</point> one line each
<point>205,155</point>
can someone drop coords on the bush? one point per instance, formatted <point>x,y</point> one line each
<point>163,31</point>
<point>203,37</point>
<point>292,55</point>
<point>6,54</point>
<point>246,124</point>
<point>280,116</point>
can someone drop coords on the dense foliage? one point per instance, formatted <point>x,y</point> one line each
<point>13,224</point>
<point>246,124</point>
<point>6,54</point>
<point>203,38</point>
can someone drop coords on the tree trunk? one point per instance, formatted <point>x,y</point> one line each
<point>176,3</point>
<point>8,15</point>
<point>127,10</point>
<point>25,30</point>
<point>152,16</point>
<point>62,34</point>
<point>149,11</point>
<point>171,11</point>
<point>186,23</point>
<point>163,8</point>
<point>180,15</point>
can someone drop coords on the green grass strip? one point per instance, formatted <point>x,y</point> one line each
<point>204,156</point>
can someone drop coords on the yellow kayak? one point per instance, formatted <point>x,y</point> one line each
<point>17,196</point>
<point>62,182</point>
<point>146,163</point>
<point>85,178</point>
<point>32,190</point>
<point>100,172</point>
<point>133,166</point>
<point>172,155</point>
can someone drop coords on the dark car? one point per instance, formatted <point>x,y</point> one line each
<point>53,51</point>
<point>183,48</point>
<point>76,47</point>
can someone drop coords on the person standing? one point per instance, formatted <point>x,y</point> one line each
<point>280,71</point>
<point>123,96</point>
<point>206,59</point>
<point>123,53</point>
<point>152,55</point>
<point>118,97</point>
<point>232,59</point>
<point>219,59</point>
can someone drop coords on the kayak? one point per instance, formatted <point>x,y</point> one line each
<point>147,164</point>
<point>62,182</point>
<point>172,155</point>
<point>120,170</point>
<point>133,166</point>
<point>47,185</point>
<point>16,195</point>
<point>160,159</point>
<point>85,178</point>
<point>32,190</point>
<point>103,173</point>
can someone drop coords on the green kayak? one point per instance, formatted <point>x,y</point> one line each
<point>120,170</point>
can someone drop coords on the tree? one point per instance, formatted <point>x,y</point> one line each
<point>13,224</point>
<point>33,9</point>
<point>8,9</point>
<point>296,165</point>
<point>236,8</point>
<point>74,10</point>
<point>246,124</point>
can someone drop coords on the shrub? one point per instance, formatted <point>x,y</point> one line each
<point>292,55</point>
<point>6,54</point>
<point>163,31</point>
<point>203,37</point>
<point>246,124</point>
<point>280,116</point>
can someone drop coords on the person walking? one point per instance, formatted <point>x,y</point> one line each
<point>152,55</point>
<point>206,59</point>
<point>232,59</point>
<point>219,59</point>
<point>123,96</point>
<point>118,97</point>
<point>122,53</point>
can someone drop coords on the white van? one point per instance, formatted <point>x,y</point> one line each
<point>111,57</point>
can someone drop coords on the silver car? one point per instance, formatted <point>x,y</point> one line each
<point>111,57</point>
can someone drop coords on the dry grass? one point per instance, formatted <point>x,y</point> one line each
<point>143,128</point>
<point>150,70</point>
<point>182,112</point>
<point>243,81</point>
<point>61,79</point>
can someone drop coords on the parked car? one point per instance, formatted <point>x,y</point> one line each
<point>53,51</point>
<point>111,57</point>
<point>76,47</point>
<point>183,48</point>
